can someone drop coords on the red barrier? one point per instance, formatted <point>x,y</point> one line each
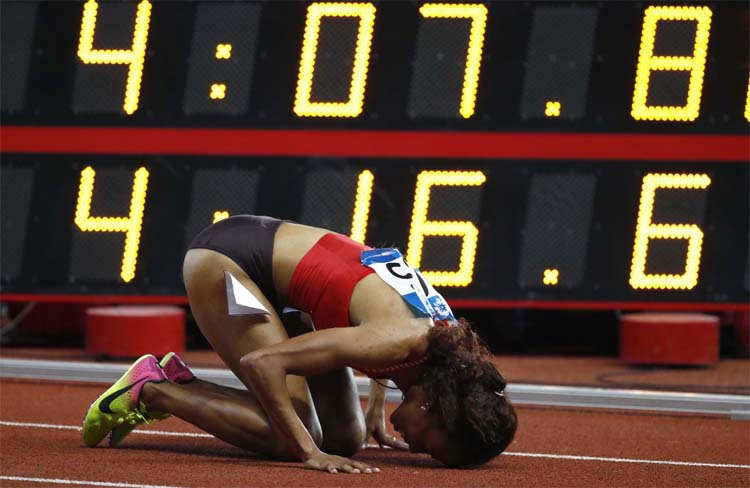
<point>131,331</point>
<point>742,327</point>
<point>669,338</point>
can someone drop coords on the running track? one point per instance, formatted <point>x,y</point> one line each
<point>41,446</point>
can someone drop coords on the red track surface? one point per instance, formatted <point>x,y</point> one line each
<point>37,452</point>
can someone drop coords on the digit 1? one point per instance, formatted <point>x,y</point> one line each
<point>132,57</point>
<point>747,102</point>
<point>478,15</point>
<point>130,225</point>
<point>647,63</point>
<point>647,230</point>
<point>421,227</point>
<point>303,106</point>
<point>362,206</point>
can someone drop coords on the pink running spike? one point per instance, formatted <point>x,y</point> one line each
<point>175,369</point>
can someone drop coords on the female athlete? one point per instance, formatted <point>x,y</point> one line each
<point>370,311</point>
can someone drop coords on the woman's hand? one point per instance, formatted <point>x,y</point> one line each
<point>375,423</point>
<point>333,464</point>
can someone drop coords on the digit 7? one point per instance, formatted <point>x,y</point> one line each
<point>478,15</point>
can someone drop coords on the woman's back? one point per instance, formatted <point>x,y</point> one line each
<point>371,298</point>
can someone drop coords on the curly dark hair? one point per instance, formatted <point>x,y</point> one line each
<point>466,389</point>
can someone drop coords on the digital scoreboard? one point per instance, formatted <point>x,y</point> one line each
<point>521,154</point>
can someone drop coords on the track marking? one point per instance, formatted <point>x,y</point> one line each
<point>75,427</point>
<point>516,454</point>
<point>65,481</point>
<point>624,460</point>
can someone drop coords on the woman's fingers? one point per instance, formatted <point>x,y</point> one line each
<point>363,468</point>
<point>396,443</point>
<point>385,439</point>
<point>336,464</point>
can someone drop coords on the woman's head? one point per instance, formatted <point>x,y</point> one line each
<point>459,413</point>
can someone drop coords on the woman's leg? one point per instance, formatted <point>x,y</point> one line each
<point>235,418</point>
<point>335,396</point>
<point>339,411</point>
<point>336,400</point>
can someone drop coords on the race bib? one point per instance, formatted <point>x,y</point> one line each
<point>418,293</point>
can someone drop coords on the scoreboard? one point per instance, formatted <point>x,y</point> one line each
<point>521,154</point>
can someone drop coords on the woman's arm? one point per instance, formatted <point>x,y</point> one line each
<point>314,353</point>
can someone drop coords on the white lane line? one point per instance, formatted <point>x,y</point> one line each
<point>75,427</point>
<point>517,454</point>
<point>625,460</point>
<point>39,426</point>
<point>65,481</point>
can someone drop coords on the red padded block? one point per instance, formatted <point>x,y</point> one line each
<point>742,326</point>
<point>134,330</point>
<point>669,338</point>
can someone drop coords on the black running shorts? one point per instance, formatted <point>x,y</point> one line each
<point>248,241</point>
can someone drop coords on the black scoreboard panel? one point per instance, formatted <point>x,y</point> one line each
<point>483,230</point>
<point>583,66</point>
<point>578,154</point>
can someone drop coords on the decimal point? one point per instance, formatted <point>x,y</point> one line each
<point>552,109</point>
<point>551,276</point>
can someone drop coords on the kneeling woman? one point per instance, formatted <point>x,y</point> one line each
<point>370,312</point>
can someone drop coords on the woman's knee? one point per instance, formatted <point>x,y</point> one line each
<point>345,439</point>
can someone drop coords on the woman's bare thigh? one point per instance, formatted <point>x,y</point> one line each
<point>232,336</point>
<point>336,404</point>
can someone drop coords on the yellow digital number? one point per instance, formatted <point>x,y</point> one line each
<point>130,225</point>
<point>478,15</point>
<point>647,63</point>
<point>362,206</point>
<point>421,227</point>
<point>303,106</point>
<point>647,230</point>
<point>747,102</point>
<point>132,57</point>
<point>220,215</point>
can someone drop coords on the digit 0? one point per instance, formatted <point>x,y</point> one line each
<point>421,227</point>
<point>647,63</point>
<point>478,15</point>
<point>130,225</point>
<point>647,230</point>
<point>303,106</point>
<point>132,57</point>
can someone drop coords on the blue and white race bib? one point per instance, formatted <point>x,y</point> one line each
<point>419,294</point>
